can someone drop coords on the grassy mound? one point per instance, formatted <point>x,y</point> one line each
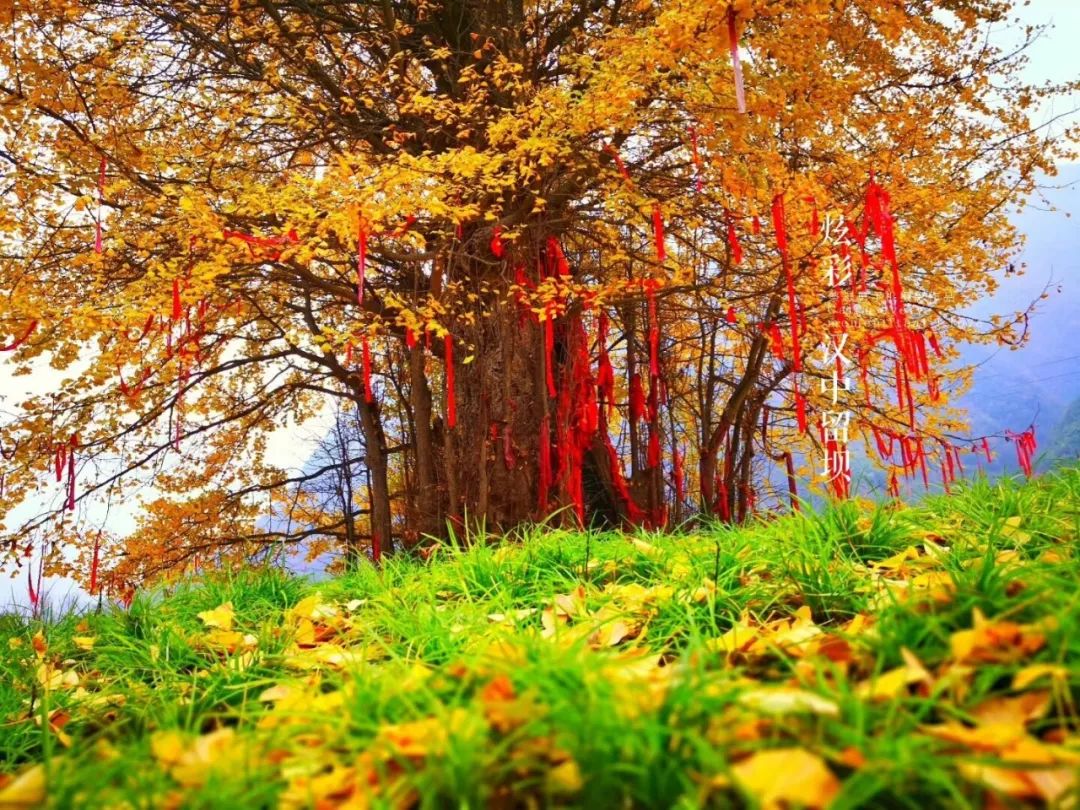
<point>912,657</point>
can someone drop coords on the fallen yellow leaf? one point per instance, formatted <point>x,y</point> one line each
<point>785,777</point>
<point>220,617</point>
<point>27,790</point>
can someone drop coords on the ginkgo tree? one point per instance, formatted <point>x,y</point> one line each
<point>555,255</point>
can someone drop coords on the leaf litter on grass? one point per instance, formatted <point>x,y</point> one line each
<point>654,675</point>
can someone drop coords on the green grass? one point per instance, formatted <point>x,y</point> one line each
<point>412,693</point>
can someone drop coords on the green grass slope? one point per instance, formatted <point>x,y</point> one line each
<point>890,657</point>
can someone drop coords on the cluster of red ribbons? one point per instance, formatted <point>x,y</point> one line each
<point>64,461</point>
<point>1025,448</point>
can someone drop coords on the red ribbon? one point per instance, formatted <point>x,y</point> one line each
<point>451,400</point>
<point>658,233</point>
<point>496,245</point>
<point>637,398</point>
<point>654,330</point>
<point>733,240</point>
<point>94,563</point>
<point>549,353</point>
<point>365,359</point>
<point>177,308</point>
<point>653,458</point>
<point>73,443</point>
<point>611,150</point>
<point>800,411</point>
<point>361,264</point>
<point>21,339</point>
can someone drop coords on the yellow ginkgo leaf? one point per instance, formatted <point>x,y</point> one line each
<point>220,617</point>
<point>25,791</point>
<point>786,777</point>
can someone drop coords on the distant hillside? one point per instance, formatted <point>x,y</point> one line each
<point>1064,444</point>
<point>1042,379</point>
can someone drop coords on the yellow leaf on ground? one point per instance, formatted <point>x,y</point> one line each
<point>786,777</point>
<point>25,791</point>
<point>786,700</point>
<point>220,617</point>
<point>895,682</point>
<point>1033,672</point>
<point>217,750</point>
<point>565,778</point>
<point>997,641</point>
<point>168,747</point>
<point>1017,711</point>
<point>85,643</point>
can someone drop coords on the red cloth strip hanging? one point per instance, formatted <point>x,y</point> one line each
<point>132,391</point>
<point>404,227</point>
<point>611,150</point>
<point>654,330</point>
<point>653,456</point>
<point>451,399</point>
<point>815,222</point>
<point>549,352</point>
<point>722,500</point>
<point>986,451</point>
<point>658,233</point>
<point>605,373</point>
<point>731,317</point>
<point>637,398</point>
<point>634,513</point>
<point>496,245</point>
<point>19,341</point>
<point>94,563</point>
<point>733,240</point>
<point>365,360</point>
<point>736,64</point>
<point>894,485</point>
<point>73,444</point>
<point>776,339</point>
<point>410,338</point>
<point>177,308</point>
<point>556,257</point>
<point>800,411</point>
<point>933,341</point>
